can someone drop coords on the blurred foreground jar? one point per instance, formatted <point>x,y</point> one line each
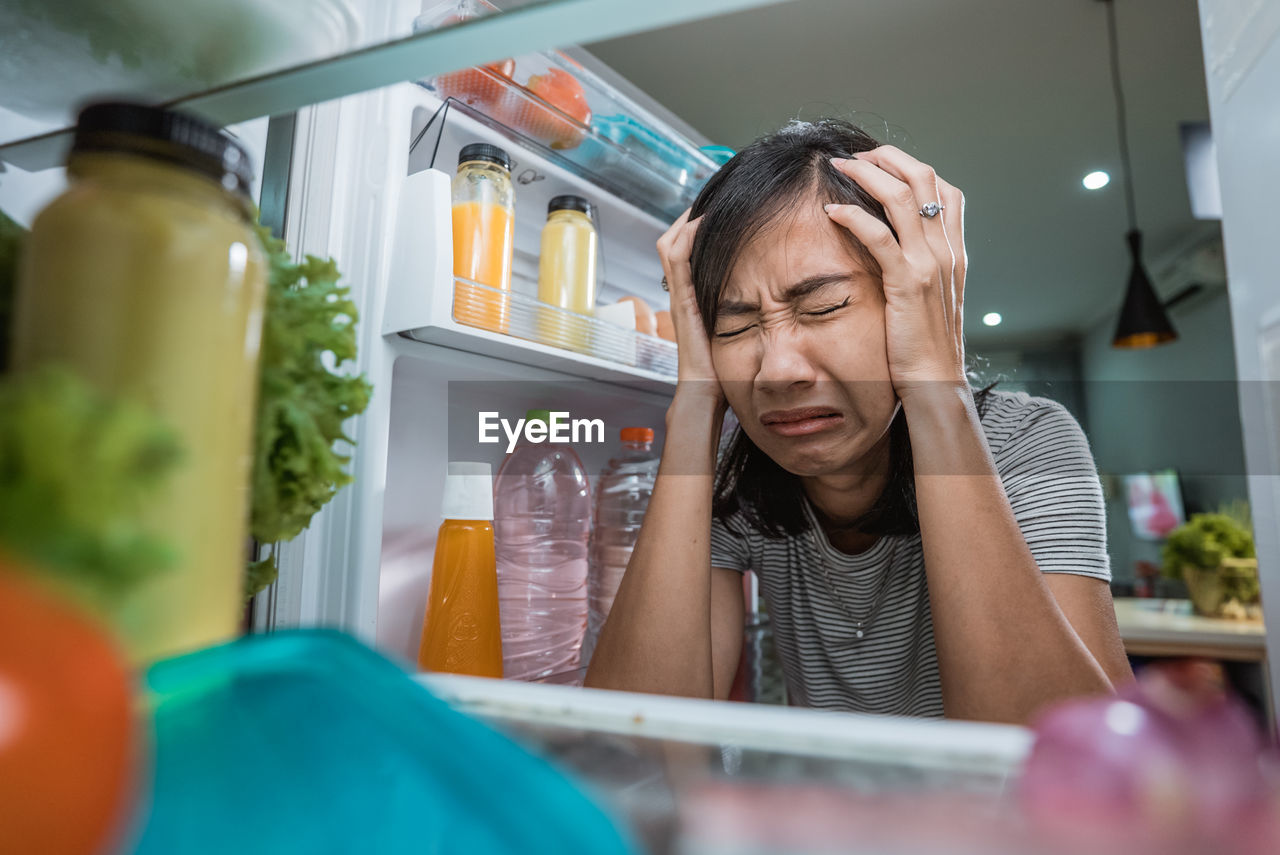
<point>145,278</point>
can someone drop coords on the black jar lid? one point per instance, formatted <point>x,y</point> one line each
<point>569,203</point>
<point>485,152</point>
<point>168,135</point>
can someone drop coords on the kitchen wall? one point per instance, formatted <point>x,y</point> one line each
<point>1044,370</point>
<point>1174,406</point>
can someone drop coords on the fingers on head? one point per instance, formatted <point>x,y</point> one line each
<point>874,233</point>
<point>951,196</point>
<point>679,236</point>
<point>920,176</point>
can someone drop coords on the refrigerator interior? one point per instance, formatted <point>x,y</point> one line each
<point>431,374</point>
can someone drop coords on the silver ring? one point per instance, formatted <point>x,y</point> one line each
<point>931,210</point>
<point>665,286</point>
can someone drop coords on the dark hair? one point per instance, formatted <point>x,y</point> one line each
<point>764,180</point>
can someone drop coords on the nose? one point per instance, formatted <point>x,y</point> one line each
<point>785,363</point>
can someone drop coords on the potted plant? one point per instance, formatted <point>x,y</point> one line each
<point>1214,555</point>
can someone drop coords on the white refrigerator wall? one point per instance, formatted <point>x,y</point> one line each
<point>1242,67</point>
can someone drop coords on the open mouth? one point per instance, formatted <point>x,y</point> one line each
<point>801,421</point>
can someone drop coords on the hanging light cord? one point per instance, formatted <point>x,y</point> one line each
<point>1120,114</point>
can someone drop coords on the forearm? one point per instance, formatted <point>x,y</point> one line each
<point>657,637</point>
<point>1004,646</point>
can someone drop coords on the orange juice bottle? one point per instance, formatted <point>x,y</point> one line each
<point>483,236</point>
<point>461,633</point>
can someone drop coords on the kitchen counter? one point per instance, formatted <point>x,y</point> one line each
<point>1154,627</point>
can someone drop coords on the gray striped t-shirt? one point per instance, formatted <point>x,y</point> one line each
<point>815,593</point>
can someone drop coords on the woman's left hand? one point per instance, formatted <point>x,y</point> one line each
<point>923,270</point>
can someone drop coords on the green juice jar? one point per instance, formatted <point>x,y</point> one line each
<point>146,279</point>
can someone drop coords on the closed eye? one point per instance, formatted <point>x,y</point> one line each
<point>829,309</point>
<point>732,333</point>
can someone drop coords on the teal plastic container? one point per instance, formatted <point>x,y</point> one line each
<point>308,742</point>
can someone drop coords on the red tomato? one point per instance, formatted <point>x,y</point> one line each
<point>562,90</point>
<point>68,735</point>
<point>478,86</point>
<point>505,67</point>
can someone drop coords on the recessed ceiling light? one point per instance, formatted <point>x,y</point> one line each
<point>1096,180</point>
<point>992,318</point>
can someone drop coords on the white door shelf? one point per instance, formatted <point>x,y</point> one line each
<point>426,303</point>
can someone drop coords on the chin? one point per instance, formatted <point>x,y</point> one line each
<point>813,456</point>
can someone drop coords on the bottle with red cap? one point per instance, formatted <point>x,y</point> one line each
<point>622,496</point>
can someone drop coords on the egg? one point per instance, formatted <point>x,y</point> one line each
<point>646,321</point>
<point>666,329</point>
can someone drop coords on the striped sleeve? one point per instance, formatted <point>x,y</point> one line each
<point>1052,483</point>
<point>728,550</point>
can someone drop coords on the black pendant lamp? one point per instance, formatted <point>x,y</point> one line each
<point>1143,322</point>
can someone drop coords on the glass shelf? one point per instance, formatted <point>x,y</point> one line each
<point>700,776</point>
<point>519,328</point>
<point>288,54</point>
<point>521,316</point>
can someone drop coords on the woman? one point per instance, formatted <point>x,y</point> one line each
<point>924,551</point>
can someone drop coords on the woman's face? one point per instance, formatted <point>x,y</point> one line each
<point>799,346</point>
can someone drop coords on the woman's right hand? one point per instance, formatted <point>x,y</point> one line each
<point>696,375</point>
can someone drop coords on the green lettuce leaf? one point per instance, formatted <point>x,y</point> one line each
<point>302,402</point>
<point>76,468</point>
<point>11,237</point>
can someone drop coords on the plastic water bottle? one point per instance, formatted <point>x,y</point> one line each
<point>542,521</point>
<point>622,496</point>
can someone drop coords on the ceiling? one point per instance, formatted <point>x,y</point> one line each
<point>1009,100</point>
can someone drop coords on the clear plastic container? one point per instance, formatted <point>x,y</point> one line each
<point>542,515</point>
<point>484,204</point>
<point>567,272</point>
<point>622,497</point>
<point>550,102</point>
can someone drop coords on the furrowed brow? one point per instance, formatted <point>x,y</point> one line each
<point>805,287</point>
<point>797,291</point>
<point>735,308</point>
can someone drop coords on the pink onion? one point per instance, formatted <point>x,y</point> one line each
<point>1170,763</point>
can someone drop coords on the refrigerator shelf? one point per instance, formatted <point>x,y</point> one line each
<point>521,316</point>
<point>249,80</point>
<point>512,326</point>
<point>427,303</point>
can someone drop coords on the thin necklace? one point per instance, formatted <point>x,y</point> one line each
<point>863,624</point>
